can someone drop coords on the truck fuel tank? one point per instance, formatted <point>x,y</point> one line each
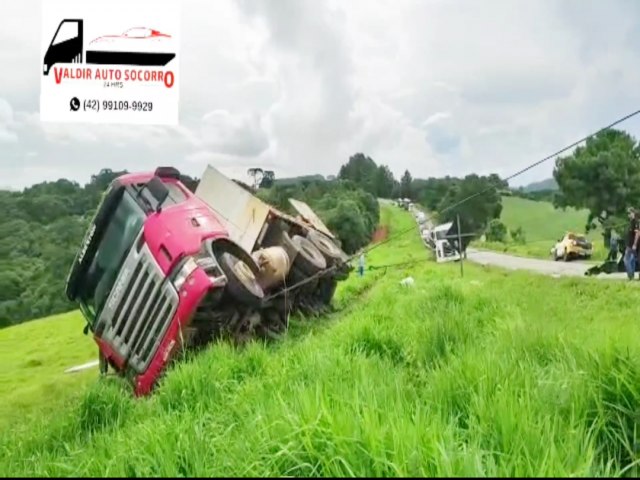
<point>274,266</point>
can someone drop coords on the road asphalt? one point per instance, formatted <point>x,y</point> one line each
<point>575,268</point>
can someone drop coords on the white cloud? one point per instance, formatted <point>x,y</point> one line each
<point>7,123</point>
<point>437,117</point>
<point>240,135</point>
<point>300,85</point>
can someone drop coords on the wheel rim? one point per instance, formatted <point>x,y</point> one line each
<point>244,274</point>
<point>326,244</point>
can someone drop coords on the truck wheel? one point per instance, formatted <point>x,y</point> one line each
<point>241,271</point>
<point>329,250</point>
<point>565,257</point>
<point>242,283</point>
<point>309,259</point>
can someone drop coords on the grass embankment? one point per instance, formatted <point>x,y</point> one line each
<point>492,374</point>
<point>34,356</point>
<point>543,226</point>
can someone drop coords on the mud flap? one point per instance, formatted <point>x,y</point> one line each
<point>103,364</point>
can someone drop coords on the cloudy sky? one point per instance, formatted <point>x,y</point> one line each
<point>434,86</point>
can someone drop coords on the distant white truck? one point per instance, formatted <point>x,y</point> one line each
<point>404,203</point>
<point>425,233</point>
<point>444,249</point>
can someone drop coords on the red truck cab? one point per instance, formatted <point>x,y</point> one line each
<point>143,269</point>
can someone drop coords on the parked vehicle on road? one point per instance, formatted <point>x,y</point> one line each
<point>572,246</point>
<point>445,248</point>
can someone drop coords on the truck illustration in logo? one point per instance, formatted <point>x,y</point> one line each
<point>139,46</point>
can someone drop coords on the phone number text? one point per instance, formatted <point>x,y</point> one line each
<point>123,105</point>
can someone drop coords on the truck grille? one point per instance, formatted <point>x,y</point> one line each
<point>139,309</point>
<point>449,249</point>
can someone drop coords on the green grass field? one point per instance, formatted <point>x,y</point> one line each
<point>543,226</point>
<point>496,373</point>
<point>34,356</point>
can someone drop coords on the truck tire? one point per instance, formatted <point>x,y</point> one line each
<point>241,271</point>
<point>242,283</point>
<point>326,246</point>
<point>309,259</point>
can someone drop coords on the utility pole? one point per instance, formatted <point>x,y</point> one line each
<point>460,245</point>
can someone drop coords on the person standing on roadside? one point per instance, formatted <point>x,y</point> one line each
<point>631,250</point>
<point>613,247</point>
<point>361,264</point>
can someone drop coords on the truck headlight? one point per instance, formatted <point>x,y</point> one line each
<point>187,269</point>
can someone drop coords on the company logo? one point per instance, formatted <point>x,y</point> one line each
<point>113,62</point>
<point>118,288</point>
<point>136,47</point>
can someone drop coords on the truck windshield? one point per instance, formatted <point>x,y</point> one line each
<point>124,226</point>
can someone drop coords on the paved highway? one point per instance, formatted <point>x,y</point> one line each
<point>547,267</point>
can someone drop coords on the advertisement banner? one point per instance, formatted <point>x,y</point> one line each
<point>110,62</point>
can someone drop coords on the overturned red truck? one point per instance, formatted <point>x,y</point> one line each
<point>164,269</point>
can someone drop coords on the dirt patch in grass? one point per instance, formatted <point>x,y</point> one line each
<point>380,234</point>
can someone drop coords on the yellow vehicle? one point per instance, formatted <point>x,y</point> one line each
<point>572,245</point>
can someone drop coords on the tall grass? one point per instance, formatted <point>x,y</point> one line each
<point>490,374</point>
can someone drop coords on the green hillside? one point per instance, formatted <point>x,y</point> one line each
<point>472,376</point>
<point>34,357</point>
<point>548,184</point>
<point>543,225</point>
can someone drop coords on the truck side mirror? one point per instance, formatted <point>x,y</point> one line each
<point>158,190</point>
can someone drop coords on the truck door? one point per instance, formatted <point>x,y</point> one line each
<point>66,45</point>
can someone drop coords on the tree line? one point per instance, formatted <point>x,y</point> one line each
<point>41,228</point>
<point>603,177</point>
<point>436,195</point>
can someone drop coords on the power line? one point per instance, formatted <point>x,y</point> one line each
<point>464,200</point>
<point>520,172</point>
<point>545,159</point>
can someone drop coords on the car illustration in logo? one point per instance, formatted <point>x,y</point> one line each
<point>139,46</point>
